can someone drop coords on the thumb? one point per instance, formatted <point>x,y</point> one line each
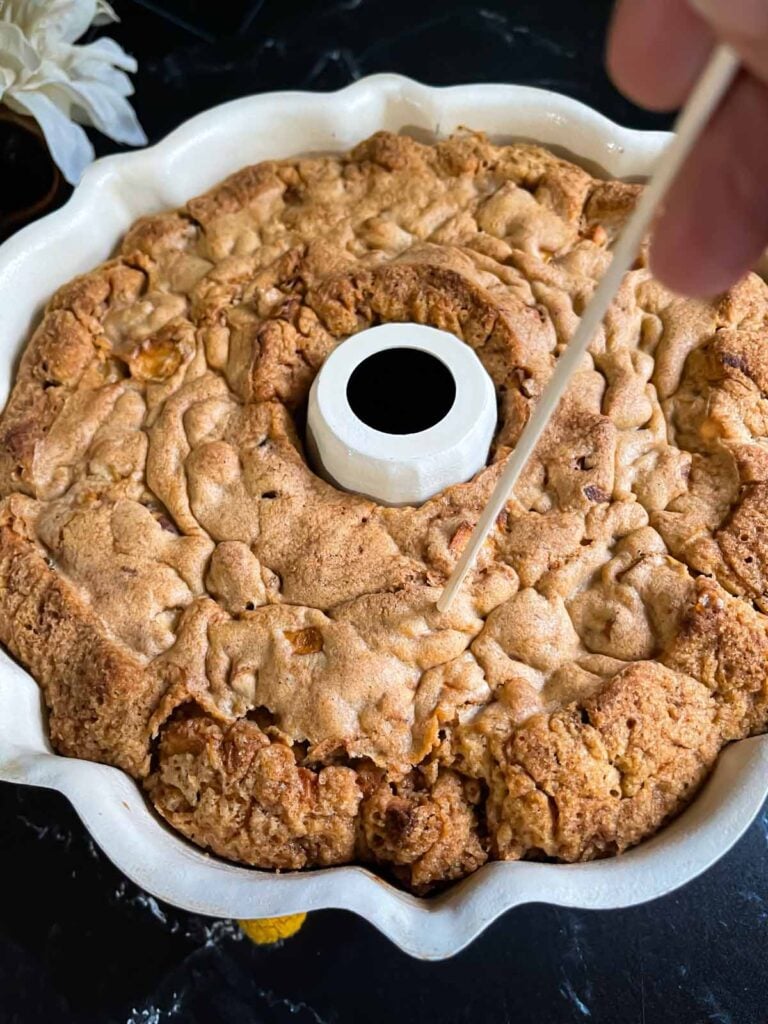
<point>743,24</point>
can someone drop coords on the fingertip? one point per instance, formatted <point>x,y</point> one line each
<point>655,50</point>
<point>715,224</point>
<point>624,60</point>
<point>679,271</point>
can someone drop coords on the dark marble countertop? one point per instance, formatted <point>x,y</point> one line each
<point>79,943</point>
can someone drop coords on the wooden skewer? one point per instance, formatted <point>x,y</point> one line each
<point>715,81</point>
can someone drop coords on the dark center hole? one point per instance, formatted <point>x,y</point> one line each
<point>401,391</point>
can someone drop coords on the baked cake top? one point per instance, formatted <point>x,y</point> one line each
<point>204,611</point>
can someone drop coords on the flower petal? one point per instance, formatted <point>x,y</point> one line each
<point>16,52</point>
<point>106,50</point>
<point>66,20</point>
<point>104,109</point>
<point>104,13</point>
<point>44,72</point>
<point>47,75</point>
<point>104,76</point>
<point>68,143</point>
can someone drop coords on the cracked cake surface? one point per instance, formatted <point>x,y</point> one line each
<point>262,651</point>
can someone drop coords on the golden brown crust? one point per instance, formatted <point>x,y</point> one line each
<point>724,643</point>
<point>586,781</point>
<point>100,698</point>
<point>247,799</point>
<point>264,650</point>
<point>424,826</point>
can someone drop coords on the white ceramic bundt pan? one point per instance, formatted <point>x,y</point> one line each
<point>115,191</point>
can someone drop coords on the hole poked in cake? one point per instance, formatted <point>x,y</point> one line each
<point>401,391</point>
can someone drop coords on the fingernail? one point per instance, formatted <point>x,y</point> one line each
<point>704,7</point>
<point>745,18</point>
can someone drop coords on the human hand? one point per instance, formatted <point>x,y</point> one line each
<point>714,226</point>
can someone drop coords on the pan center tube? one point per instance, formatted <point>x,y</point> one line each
<point>399,412</point>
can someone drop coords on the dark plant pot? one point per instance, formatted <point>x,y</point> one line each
<point>31,182</point>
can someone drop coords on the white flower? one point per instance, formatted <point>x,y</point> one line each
<point>62,85</point>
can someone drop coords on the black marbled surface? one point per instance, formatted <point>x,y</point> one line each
<point>80,944</point>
